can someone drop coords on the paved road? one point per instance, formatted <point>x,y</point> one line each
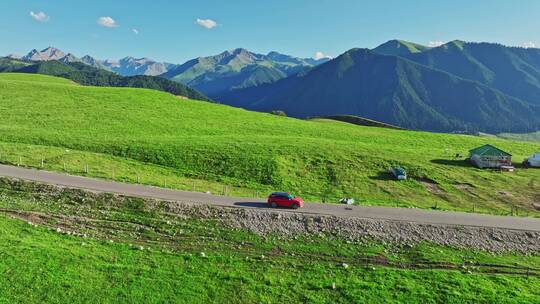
<point>395,214</point>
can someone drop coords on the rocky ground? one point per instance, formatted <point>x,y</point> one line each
<point>274,222</point>
<point>354,229</point>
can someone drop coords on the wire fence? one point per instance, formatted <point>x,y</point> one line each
<point>128,175</point>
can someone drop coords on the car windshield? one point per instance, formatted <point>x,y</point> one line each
<point>290,196</point>
<point>400,171</point>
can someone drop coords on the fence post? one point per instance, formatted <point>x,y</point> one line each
<point>113,173</point>
<point>65,168</point>
<point>138,179</point>
<point>86,168</point>
<point>165,183</point>
<point>42,163</point>
<point>20,161</point>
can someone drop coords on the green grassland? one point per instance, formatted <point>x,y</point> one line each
<point>535,136</point>
<point>197,260</point>
<point>155,138</point>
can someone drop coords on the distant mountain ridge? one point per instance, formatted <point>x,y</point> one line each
<point>237,69</point>
<point>127,66</point>
<point>260,68</point>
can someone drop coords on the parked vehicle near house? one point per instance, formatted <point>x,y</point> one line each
<point>399,173</point>
<point>347,201</point>
<point>533,161</point>
<point>285,199</point>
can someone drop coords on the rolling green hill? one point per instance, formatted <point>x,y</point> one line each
<point>392,90</point>
<point>155,138</point>
<point>87,75</point>
<point>534,136</point>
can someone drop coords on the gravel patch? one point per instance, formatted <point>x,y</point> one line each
<point>287,224</point>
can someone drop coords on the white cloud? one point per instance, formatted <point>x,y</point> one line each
<point>40,16</point>
<point>207,23</point>
<point>435,43</point>
<point>135,31</point>
<point>529,45</point>
<point>107,22</point>
<point>320,55</point>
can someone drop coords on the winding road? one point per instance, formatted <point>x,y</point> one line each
<point>384,213</point>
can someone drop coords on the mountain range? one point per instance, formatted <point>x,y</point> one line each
<point>127,66</point>
<point>512,70</point>
<point>231,69</point>
<point>238,69</point>
<point>456,86</point>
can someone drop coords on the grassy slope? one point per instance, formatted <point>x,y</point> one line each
<point>39,265</point>
<point>168,140</point>
<point>535,136</point>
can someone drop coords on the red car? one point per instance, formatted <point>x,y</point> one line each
<point>284,199</point>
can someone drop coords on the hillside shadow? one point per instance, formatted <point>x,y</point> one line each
<point>452,162</point>
<point>252,204</point>
<point>384,176</point>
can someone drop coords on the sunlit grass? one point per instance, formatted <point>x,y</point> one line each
<point>153,138</point>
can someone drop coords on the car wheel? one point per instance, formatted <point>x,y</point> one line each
<point>273,204</point>
<point>295,206</point>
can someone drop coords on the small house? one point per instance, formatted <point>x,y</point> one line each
<point>534,161</point>
<point>488,156</point>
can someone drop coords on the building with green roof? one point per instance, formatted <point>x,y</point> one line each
<point>488,156</point>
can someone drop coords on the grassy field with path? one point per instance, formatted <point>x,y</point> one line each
<point>151,137</point>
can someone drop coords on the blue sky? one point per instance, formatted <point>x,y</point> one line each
<point>169,31</point>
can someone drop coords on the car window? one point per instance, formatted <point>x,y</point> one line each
<point>290,196</point>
